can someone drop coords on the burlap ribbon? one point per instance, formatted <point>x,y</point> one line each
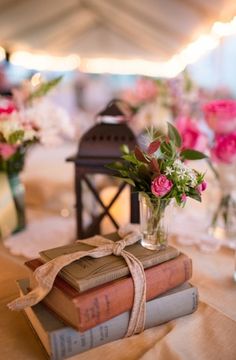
<point>46,274</point>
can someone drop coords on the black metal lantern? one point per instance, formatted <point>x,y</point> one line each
<point>99,146</point>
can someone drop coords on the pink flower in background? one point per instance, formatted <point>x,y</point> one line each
<point>224,149</point>
<point>146,90</point>
<point>220,115</point>
<point>192,137</point>
<point>202,187</point>
<point>129,96</point>
<point>161,185</point>
<point>7,107</point>
<point>6,150</point>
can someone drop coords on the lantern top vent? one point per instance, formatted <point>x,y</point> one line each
<point>104,139</point>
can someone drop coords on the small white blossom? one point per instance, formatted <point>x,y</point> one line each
<point>185,173</point>
<point>169,170</point>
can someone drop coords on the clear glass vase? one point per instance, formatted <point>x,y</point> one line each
<point>223,225</point>
<point>18,194</point>
<point>224,220</point>
<point>154,222</point>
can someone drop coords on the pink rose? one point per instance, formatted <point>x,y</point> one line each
<point>221,115</point>
<point>7,107</point>
<point>183,197</point>
<point>161,185</point>
<point>6,151</point>
<point>202,187</point>
<point>192,137</point>
<point>224,149</point>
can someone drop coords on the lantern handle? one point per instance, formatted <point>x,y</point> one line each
<point>120,112</point>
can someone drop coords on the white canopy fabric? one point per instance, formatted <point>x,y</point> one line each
<point>125,29</point>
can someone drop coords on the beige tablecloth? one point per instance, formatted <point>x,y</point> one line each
<point>207,334</point>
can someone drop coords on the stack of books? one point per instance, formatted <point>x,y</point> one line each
<point>91,299</point>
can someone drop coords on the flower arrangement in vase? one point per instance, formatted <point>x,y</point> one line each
<point>160,174</point>
<point>220,116</point>
<point>25,119</point>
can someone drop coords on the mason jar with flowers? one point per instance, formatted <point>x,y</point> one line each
<point>161,175</point>
<point>25,119</point>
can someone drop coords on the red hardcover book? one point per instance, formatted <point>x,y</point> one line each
<point>92,307</point>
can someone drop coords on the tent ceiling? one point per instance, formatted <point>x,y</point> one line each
<point>151,29</point>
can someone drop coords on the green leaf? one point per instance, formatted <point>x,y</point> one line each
<point>44,88</point>
<point>124,149</point>
<point>130,158</point>
<point>116,165</point>
<point>143,171</point>
<point>194,194</point>
<point>129,181</point>
<point>190,154</point>
<point>174,135</point>
<point>15,137</point>
<point>166,150</point>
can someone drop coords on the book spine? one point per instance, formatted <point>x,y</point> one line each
<point>106,302</point>
<point>67,342</point>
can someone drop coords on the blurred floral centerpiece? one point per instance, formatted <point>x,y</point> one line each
<point>162,100</point>
<point>25,119</point>
<point>220,116</point>
<point>160,175</point>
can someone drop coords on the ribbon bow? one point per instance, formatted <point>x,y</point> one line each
<point>46,274</point>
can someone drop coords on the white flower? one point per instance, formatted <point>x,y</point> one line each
<point>51,121</point>
<point>185,173</point>
<point>152,114</point>
<point>10,125</point>
<point>169,170</point>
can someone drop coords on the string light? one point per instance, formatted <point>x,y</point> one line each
<point>170,68</point>
<point>224,29</point>
<point>190,54</point>
<point>45,62</point>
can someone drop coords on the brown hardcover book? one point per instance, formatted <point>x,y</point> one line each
<point>88,309</point>
<point>88,272</point>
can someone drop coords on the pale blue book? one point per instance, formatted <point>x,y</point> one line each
<point>62,342</point>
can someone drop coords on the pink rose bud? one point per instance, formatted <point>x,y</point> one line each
<point>6,151</point>
<point>202,187</point>
<point>161,185</point>
<point>183,197</point>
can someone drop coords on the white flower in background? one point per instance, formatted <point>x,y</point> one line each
<point>152,115</point>
<point>50,122</point>
<point>10,125</point>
